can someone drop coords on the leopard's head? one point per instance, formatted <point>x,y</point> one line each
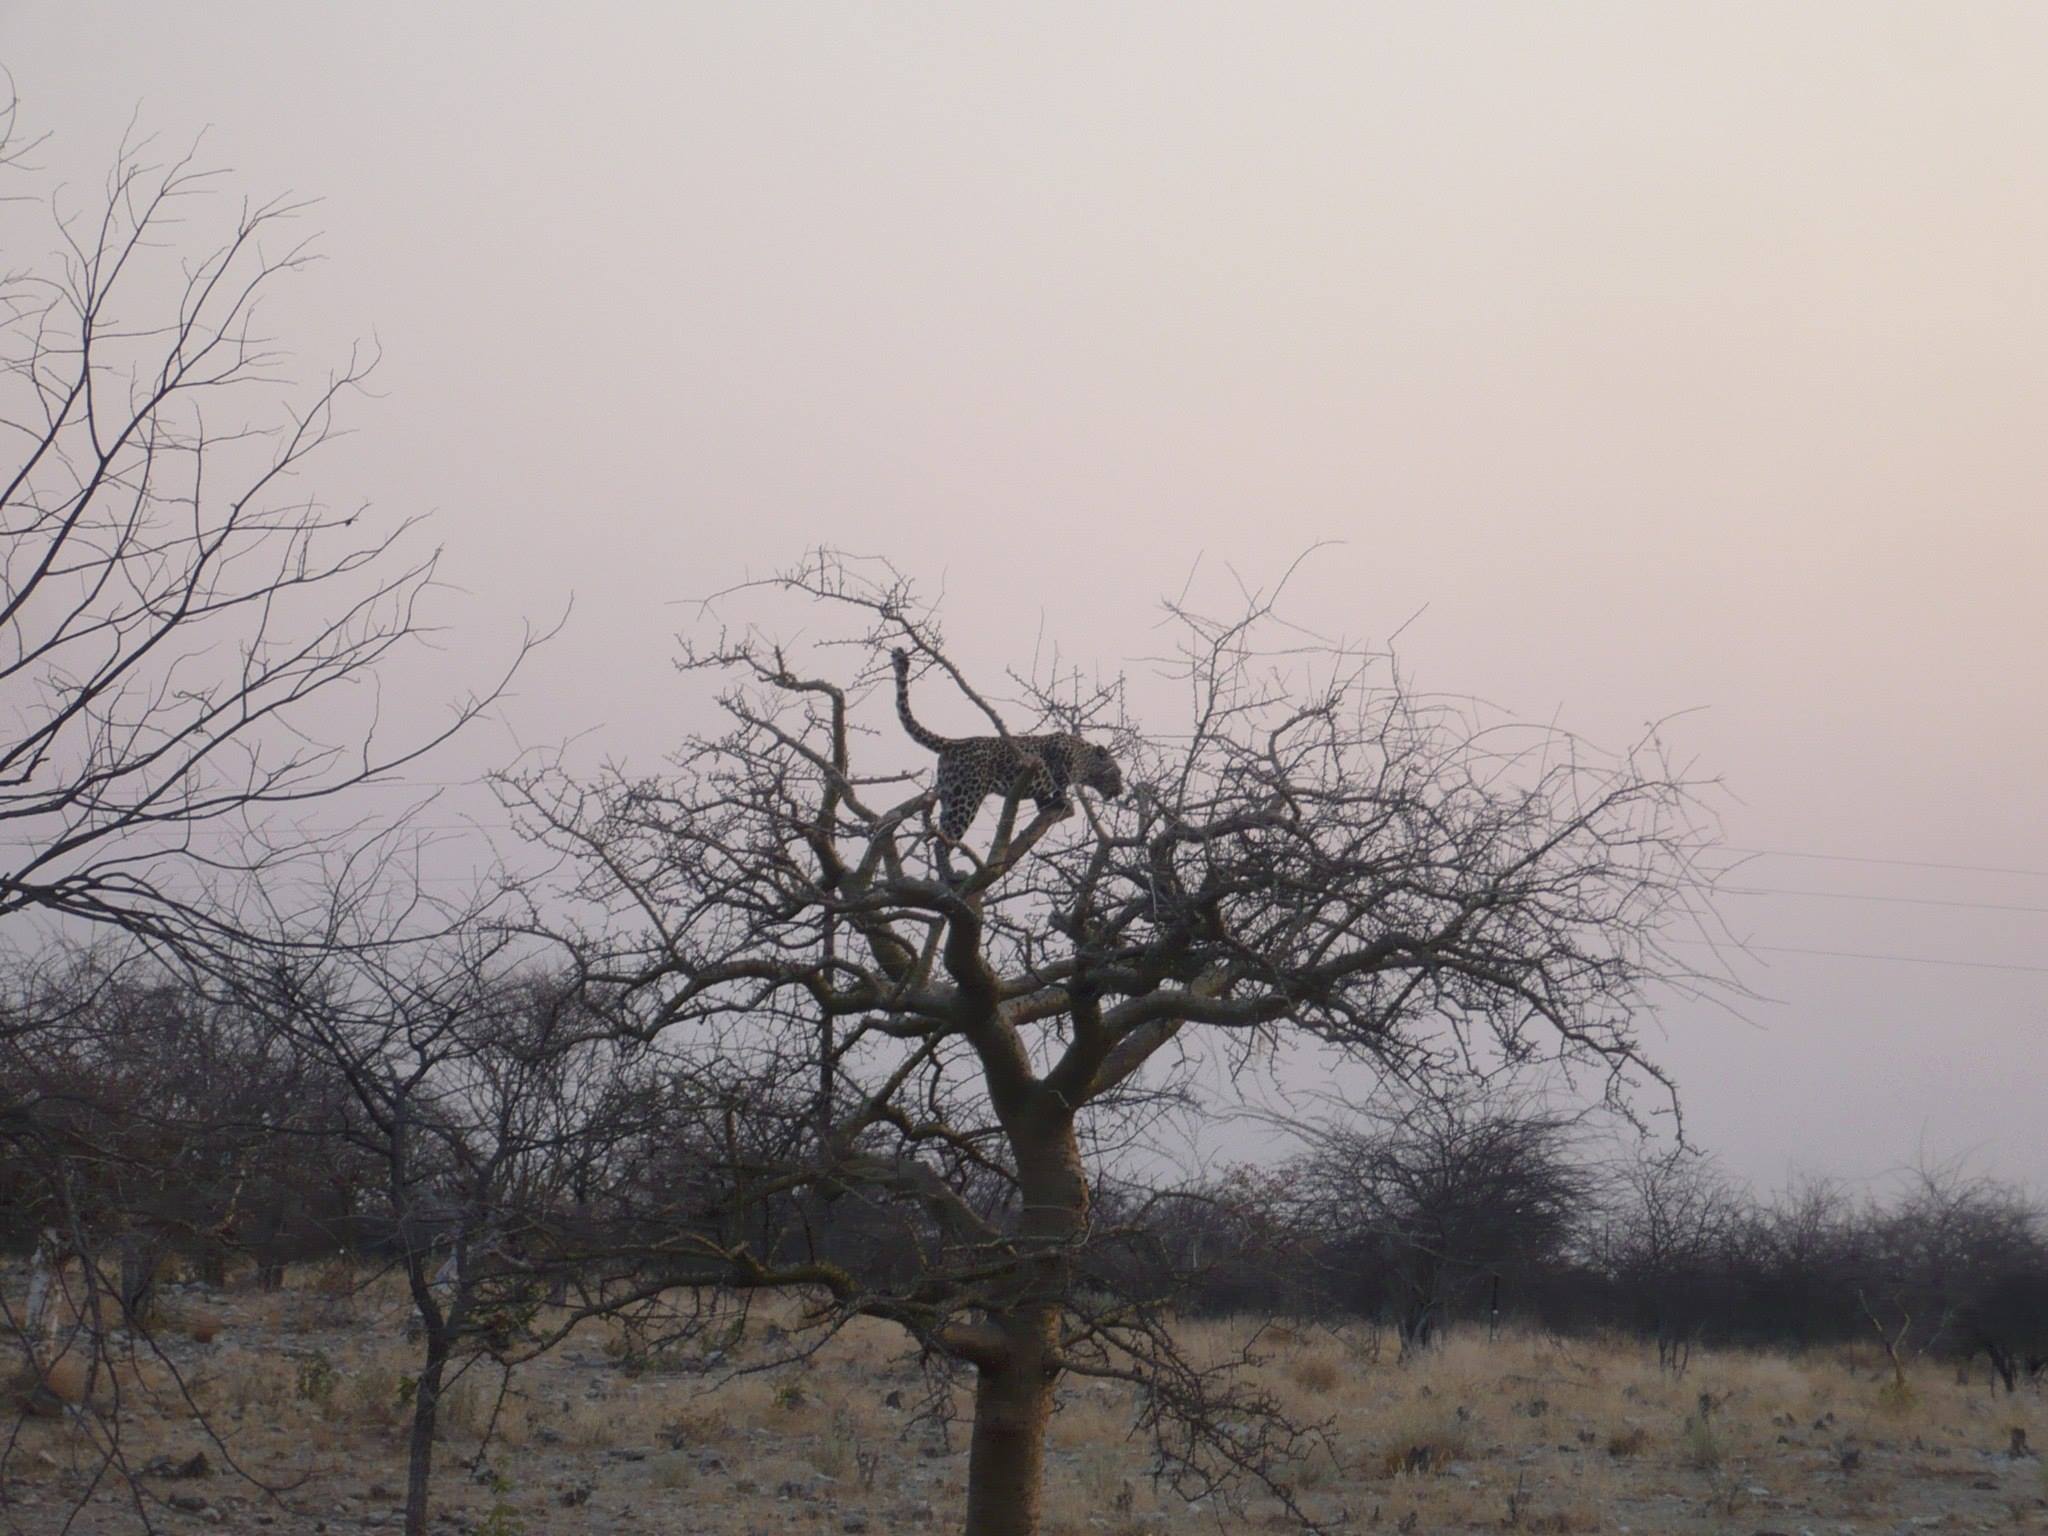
<point>1100,772</point>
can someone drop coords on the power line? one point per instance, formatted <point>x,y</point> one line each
<point>1910,901</point>
<point>1852,954</point>
<point>1858,954</point>
<point>1859,858</point>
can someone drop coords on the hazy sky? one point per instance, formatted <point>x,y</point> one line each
<point>1666,357</point>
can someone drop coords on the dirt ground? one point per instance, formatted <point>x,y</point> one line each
<point>303,1396</point>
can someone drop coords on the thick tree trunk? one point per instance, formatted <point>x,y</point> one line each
<point>1013,1396</point>
<point>1006,1458</point>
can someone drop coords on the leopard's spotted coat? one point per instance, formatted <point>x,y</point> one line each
<point>971,768</point>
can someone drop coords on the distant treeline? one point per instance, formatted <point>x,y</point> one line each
<point>144,1120</point>
<point>1481,1207</point>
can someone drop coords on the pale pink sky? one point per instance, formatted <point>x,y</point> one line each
<point>1666,356</point>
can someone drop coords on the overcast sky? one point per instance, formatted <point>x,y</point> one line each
<point>1661,357</point>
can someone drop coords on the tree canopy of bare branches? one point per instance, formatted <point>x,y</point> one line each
<point>189,635</point>
<point>1311,853</point>
<point>1422,1195</point>
<point>191,647</point>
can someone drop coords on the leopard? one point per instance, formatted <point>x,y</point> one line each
<point>971,768</point>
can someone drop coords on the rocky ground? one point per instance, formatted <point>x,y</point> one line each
<point>291,1414</point>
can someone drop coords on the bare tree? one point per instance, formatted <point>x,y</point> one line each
<point>1968,1258</point>
<point>495,1116</point>
<point>1662,1240</point>
<point>1313,854</point>
<point>189,636</point>
<point>191,642</point>
<point>1418,1198</point>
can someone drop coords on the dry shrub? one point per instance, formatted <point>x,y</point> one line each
<point>1105,1482</point>
<point>693,1426</point>
<point>43,1390</point>
<point>335,1278</point>
<point>374,1394</point>
<point>316,1378</point>
<point>1362,1345</point>
<point>1632,1441</point>
<point>248,1380</point>
<point>1318,1373</point>
<point>1859,1359</point>
<point>1563,1522</point>
<point>1318,1468</point>
<point>1428,1442</point>
<point>465,1406</point>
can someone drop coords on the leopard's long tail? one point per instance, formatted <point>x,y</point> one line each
<point>924,738</point>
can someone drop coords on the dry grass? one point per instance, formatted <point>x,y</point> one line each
<point>1523,1433</point>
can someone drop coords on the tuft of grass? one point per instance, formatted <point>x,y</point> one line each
<point>839,1448</point>
<point>464,1406</point>
<point>248,1380</point>
<point>1699,1445</point>
<point>316,1379</point>
<point>671,1469</point>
